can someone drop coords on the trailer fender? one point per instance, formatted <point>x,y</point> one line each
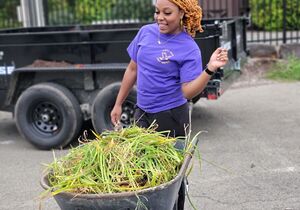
<point>104,103</point>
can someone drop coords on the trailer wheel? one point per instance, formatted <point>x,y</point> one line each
<point>48,115</point>
<point>103,104</point>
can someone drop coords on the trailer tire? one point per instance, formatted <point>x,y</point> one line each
<point>48,115</point>
<point>104,103</point>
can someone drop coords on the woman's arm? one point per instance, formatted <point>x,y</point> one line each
<point>218,59</point>
<point>128,82</point>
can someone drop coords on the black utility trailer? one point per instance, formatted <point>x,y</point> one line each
<point>55,78</point>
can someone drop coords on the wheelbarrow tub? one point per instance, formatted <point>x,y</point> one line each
<point>162,197</point>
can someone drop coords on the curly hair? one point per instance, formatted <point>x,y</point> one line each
<point>192,15</point>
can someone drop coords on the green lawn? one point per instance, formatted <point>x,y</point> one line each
<point>287,70</point>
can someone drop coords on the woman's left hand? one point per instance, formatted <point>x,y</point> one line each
<point>218,59</point>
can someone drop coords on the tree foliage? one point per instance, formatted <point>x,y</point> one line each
<point>269,14</point>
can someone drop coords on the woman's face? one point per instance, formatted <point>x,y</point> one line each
<point>168,15</point>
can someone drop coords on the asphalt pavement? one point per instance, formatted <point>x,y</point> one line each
<point>250,155</point>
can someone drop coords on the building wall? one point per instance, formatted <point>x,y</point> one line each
<point>224,8</point>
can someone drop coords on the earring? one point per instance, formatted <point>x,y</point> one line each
<point>181,23</point>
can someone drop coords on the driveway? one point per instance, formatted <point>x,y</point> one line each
<point>250,153</point>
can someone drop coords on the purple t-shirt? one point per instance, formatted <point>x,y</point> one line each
<point>162,68</point>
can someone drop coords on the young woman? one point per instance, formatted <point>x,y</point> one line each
<point>166,65</point>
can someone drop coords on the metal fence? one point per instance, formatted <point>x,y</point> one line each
<point>274,21</point>
<point>270,21</point>
<point>62,12</point>
<point>8,14</point>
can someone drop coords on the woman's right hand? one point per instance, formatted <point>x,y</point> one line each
<point>218,59</point>
<point>115,114</point>
<point>128,82</point>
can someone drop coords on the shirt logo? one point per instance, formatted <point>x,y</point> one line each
<point>165,56</point>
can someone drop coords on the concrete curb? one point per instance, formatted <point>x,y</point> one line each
<point>270,51</point>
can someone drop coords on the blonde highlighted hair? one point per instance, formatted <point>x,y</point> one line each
<point>192,15</point>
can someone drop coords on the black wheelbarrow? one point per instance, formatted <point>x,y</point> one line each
<point>162,197</point>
